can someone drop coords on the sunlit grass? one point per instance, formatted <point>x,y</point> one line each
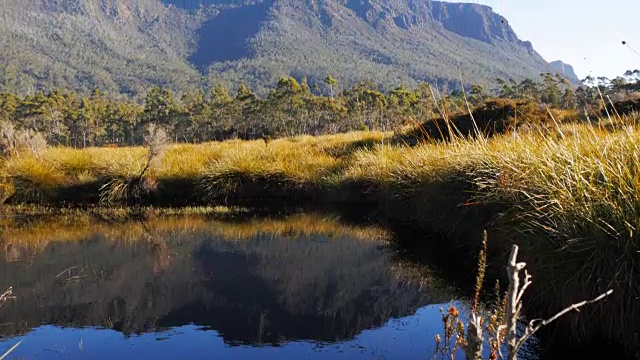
<point>31,179</point>
<point>573,180</point>
<point>294,163</point>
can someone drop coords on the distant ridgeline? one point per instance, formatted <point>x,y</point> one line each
<point>128,46</point>
<point>292,108</point>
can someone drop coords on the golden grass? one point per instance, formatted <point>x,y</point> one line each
<point>32,180</point>
<point>297,159</point>
<point>575,179</point>
<point>296,163</point>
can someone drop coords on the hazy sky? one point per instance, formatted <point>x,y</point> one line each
<point>587,34</point>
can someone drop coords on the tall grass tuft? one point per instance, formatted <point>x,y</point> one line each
<point>284,163</point>
<point>32,180</point>
<point>132,186</point>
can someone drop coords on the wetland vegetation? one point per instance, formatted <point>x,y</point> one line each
<point>562,184</point>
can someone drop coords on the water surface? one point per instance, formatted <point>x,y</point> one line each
<point>306,286</point>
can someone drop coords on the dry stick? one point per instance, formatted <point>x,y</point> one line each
<point>532,328</point>
<point>475,339</point>
<point>67,270</point>
<point>3,356</point>
<point>513,310</point>
<point>515,306</point>
<point>6,296</point>
<point>3,299</point>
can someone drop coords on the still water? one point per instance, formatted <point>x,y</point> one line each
<point>304,286</point>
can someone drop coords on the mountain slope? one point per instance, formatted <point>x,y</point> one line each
<point>355,43</point>
<point>566,69</point>
<point>118,45</point>
<point>125,46</point>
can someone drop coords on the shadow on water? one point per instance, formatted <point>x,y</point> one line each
<point>252,281</point>
<point>458,269</point>
<point>221,39</point>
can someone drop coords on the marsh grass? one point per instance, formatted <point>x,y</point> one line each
<point>32,180</point>
<point>567,194</point>
<point>216,169</point>
<point>285,164</point>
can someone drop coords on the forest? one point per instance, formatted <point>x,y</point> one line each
<point>292,108</point>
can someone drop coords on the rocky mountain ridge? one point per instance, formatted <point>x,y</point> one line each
<point>126,46</point>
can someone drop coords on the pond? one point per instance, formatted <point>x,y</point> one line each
<point>304,286</point>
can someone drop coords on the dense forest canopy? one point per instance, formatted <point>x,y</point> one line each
<point>292,108</point>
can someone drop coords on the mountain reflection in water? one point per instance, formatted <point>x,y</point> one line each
<point>306,281</point>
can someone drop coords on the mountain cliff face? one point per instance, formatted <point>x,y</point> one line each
<point>120,10</point>
<point>476,22</point>
<point>125,46</point>
<point>566,70</point>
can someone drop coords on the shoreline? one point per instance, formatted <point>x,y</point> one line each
<point>521,189</point>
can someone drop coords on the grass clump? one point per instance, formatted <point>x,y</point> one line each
<point>493,117</point>
<point>32,180</point>
<point>285,164</point>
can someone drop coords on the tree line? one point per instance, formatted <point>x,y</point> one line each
<point>291,108</point>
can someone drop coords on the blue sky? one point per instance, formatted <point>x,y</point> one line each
<point>587,34</point>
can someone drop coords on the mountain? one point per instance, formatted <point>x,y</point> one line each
<point>125,46</point>
<point>566,70</point>
<point>119,45</point>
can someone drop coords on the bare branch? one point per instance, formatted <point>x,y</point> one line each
<point>473,348</point>
<point>537,324</point>
<point>513,310</point>
<point>514,343</point>
<point>4,297</point>
<point>7,295</point>
<point>67,270</point>
<point>472,344</point>
<point>575,307</point>
<point>3,356</point>
<point>527,283</point>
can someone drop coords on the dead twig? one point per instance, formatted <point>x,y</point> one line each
<point>3,356</point>
<point>71,275</point>
<point>499,329</point>
<point>514,343</point>
<point>537,324</point>
<point>67,270</point>
<point>6,296</point>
